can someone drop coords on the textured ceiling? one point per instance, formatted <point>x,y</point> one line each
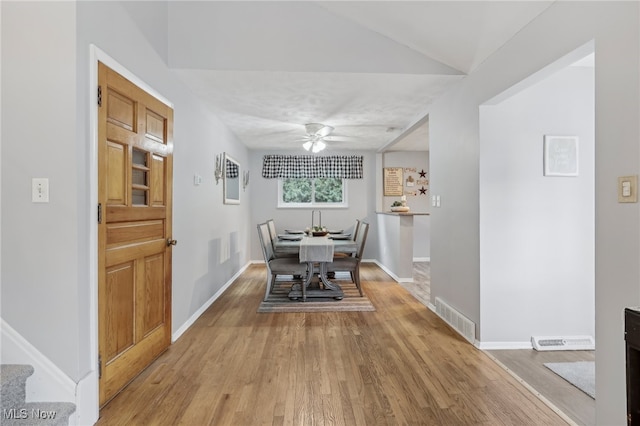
<point>369,69</point>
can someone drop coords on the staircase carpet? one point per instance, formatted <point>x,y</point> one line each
<point>14,410</point>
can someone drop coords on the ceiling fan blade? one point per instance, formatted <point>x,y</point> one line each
<point>325,131</point>
<point>340,138</point>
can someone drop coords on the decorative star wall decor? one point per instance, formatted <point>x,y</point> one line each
<point>423,174</point>
<point>423,191</point>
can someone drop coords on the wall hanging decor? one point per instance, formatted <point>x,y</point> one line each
<point>393,181</point>
<point>560,155</point>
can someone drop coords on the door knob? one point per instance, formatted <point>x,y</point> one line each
<point>171,242</point>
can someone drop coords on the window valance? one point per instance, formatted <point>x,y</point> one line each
<point>312,166</point>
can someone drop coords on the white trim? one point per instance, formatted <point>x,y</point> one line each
<point>91,383</point>
<point>491,346</point>
<point>206,305</point>
<point>89,388</point>
<point>422,259</point>
<point>390,273</point>
<point>87,410</point>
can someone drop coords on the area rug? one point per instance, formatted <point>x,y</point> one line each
<point>279,301</point>
<point>581,374</point>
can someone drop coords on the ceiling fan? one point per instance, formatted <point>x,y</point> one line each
<point>315,137</point>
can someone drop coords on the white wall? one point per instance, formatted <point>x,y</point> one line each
<point>360,192</point>
<point>537,233</point>
<point>41,253</point>
<point>456,158</point>
<point>46,271</point>
<point>213,238</point>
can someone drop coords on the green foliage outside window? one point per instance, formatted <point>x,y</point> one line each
<point>326,190</point>
<point>296,190</point>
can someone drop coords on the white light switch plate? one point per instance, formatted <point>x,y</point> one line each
<point>40,190</point>
<point>628,189</point>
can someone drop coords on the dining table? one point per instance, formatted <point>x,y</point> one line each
<point>317,252</point>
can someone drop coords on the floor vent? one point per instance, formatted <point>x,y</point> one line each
<point>455,319</point>
<point>560,343</point>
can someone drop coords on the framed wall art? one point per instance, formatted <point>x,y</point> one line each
<point>393,182</point>
<point>560,155</point>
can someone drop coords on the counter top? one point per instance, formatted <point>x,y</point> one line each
<point>409,213</point>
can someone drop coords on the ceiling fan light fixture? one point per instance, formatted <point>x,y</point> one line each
<point>315,135</point>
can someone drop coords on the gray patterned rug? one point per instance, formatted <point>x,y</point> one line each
<point>581,374</point>
<point>279,301</point>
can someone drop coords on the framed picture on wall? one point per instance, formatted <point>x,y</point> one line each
<point>560,155</point>
<point>393,183</point>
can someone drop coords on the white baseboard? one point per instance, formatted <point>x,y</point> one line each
<point>492,346</point>
<point>87,401</point>
<point>184,327</point>
<point>388,271</point>
<point>422,259</point>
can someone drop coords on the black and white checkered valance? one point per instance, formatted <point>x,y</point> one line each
<point>312,166</point>
<point>231,170</point>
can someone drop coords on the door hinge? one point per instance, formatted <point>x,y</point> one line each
<point>99,367</point>
<point>99,96</point>
<point>99,213</point>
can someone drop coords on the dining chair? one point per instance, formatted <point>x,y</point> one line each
<point>277,265</point>
<point>355,230</point>
<point>273,236</point>
<point>352,264</point>
<point>354,234</point>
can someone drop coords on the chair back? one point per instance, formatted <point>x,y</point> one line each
<point>265,242</point>
<point>355,230</point>
<point>361,238</point>
<point>272,233</point>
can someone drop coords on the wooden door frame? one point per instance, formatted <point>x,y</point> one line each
<point>88,391</point>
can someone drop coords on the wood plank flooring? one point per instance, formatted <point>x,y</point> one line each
<point>398,365</point>
<point>528,364</point>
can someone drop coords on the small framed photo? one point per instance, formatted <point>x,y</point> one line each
<point>560,155</point>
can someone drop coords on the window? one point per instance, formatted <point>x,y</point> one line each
<point>307,192</point>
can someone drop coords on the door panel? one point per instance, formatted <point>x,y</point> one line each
<point>134,260</point>
<point>117,173</point>
<point>157,181</point>
<point>153,294</point>
<point>120,299</point>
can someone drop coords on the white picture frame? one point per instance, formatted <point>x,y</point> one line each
<point>561,155</point>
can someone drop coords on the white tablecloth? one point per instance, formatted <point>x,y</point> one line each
<point>316,249</point>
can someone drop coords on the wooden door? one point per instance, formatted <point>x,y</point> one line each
<point>134,233</point>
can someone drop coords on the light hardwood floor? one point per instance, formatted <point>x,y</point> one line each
<point>528,364</point>
<point>400,365</point>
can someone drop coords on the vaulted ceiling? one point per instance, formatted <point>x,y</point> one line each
<point>369,69</point>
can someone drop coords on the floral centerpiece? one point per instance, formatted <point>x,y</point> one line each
<point>317,231</point>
